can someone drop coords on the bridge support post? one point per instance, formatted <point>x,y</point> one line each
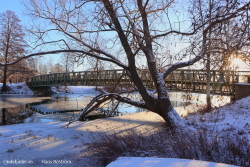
<point>213,86</point>
<point>182,79</point>
<point>242,90</point>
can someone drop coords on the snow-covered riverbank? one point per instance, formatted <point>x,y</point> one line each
<point>45,143</point>
<point>19,88</point>
<point>48,143</point>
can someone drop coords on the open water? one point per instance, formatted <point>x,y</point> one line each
<point>63,107</point>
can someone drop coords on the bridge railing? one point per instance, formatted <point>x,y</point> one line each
<point>190,80</point>
<point>77,78</point>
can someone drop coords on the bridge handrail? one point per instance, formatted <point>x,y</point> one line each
<point>187,71</point>
<point>144,71</point>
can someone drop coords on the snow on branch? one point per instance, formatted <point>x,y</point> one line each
<point>100,99</point>
<point>183,64</point>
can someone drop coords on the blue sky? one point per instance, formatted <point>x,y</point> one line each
<point>18,8</point>
<point>13,5</point>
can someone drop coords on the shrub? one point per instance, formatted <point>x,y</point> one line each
<point>217,146</point>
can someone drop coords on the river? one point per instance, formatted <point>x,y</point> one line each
<point>63,107</point>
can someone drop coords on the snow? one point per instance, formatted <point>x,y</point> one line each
<point>19,88</point>
<point>162,162</point>
<point>47,143</point>
<point>236,114</point>
<point>176,118</point>
<point>74,89</point>
<point>242,84</point>
<point>82,89</point>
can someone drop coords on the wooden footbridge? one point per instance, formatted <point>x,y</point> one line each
<point>222,82</point>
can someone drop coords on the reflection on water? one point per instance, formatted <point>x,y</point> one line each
<point>63,103</point>
<point>13,100</point>
<point>75,102</point>
<point>15,115</point>
<point>37,117</point>
<point>63,107</point>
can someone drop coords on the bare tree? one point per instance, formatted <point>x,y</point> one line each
<point>41,66</point>
<point>224,39</point>
<point>58,68</point>
<point>131,34</point>
<point>20,72</point>
<point>67,62</point>
<point>11,41</point>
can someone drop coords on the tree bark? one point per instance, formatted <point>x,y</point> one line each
<point>168,113</point>
<point>3,116</point>
<point>4,88</point>
<point>208,96</point>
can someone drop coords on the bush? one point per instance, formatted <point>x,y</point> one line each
<point>222,147</point>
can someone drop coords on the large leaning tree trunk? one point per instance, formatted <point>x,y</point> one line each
<point>131,35</point>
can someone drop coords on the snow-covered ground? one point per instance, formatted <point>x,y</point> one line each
<point>19,88</point>
<point>22,88</point>
<point>75,89</point>
<point>162,162</point>
<point>48,143</point>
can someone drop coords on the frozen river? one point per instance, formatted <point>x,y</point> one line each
<point>62,107</point>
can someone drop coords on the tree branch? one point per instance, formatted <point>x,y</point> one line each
<point>183,64</point>
<point>70,51</point>
<point>100,99</point>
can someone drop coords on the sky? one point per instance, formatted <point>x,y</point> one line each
<point>18,8</point>
<point>13,5</point>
